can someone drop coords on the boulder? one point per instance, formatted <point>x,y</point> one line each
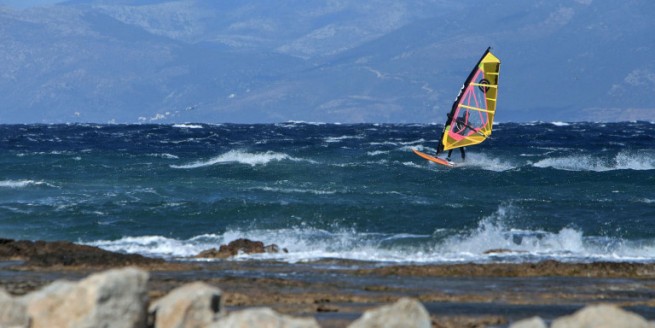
<point>192,305</point>
<point>263,318</point>
<point>405,313</point>
<point>602,316</point>
<point>114,298</point>
<point>12,312</point>
<point>240,245</point>
<point>534,322</point>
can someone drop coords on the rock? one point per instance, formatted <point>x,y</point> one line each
<point>263,318</point>
<point>12,312</point>
<point>241,245</point>
<point>406,312</point>
<point>41,253</point>
<point>534,322</point>
<point>192,305</point>
<point>602,316</point>
<point>114,298</point>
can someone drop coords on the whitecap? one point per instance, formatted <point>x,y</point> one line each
<point>157,246</point>
<point>377,152</point>
<point>622,161</point>
<point>164,155</point>
<point>188,126</point>
<point>484,162</point>
<point>341,138</point>
<point>241,157</point>
<point>22,183</point>
<point>295,190</point>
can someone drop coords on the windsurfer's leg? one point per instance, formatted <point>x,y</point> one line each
<point>449,153</point>
<point>463,153</point>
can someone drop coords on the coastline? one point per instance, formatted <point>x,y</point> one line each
<point>336,292</point>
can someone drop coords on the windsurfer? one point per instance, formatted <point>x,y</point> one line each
<point>461,125</point>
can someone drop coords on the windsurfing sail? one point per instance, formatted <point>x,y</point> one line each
<point>471,118</point>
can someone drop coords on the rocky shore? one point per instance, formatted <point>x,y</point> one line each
<point>61,284</point>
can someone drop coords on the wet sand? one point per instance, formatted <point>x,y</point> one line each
<point>337,292</point>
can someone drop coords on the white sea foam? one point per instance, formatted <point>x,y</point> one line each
<point>22,183</point>
<point>164,155</point>
<point>494,239</point>
<point>156,246</point>
<point>377,152</point>
<point>415,165</point>
<point>484,162</point>
<point>296,190</point>
<point>341,138</point>
<point>557,123</point>
<point>622,161</point>
<point>241,157</point>
<point>187,126</point>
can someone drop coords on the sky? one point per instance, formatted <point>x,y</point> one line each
<point>28,3</point>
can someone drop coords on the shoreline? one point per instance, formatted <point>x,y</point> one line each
<point>337,292</point>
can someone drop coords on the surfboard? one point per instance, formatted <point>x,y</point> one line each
<point>434,159</point>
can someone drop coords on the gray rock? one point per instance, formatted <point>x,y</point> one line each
<point>192,305</point>
<point>405,313</point>
<point>12,312</point>
<point>602,316</point>
<point>263,318</point>
<point>114,298</point>
<point>534,322</point>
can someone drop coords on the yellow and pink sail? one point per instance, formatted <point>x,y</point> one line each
<point>471,118</point>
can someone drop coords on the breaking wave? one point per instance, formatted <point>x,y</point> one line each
<point>622,161</point>
<point>492,240</point>
<point>240,157</point>
<point>22,183</point>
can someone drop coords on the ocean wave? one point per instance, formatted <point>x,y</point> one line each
<point>300,123</point>
<point>341,138</point>
<point>164,155</point>
<point>622,161</point>
<point>377,152</point>
<point>241,157</point>
<point>23,183</point>
<point>296,190</point>
<point>188,126</point>
<point>158,246</point>
<point>484,162</point>
<point>494,239</point>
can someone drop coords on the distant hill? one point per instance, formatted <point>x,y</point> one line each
<point>329,61</point>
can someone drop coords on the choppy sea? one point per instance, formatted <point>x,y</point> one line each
<point>573,192</point>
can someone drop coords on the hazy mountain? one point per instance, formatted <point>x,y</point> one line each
<point>332,61</point>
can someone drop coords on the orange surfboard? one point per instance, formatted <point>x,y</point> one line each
<point>434,159</point>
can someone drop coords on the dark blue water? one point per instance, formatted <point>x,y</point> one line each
<point>573,192</point>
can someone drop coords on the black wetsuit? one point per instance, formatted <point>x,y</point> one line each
<point>461,150</point>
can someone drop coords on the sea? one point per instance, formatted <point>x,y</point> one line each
<point>572,192</point>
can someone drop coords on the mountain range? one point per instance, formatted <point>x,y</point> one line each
<point>386,61</point>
